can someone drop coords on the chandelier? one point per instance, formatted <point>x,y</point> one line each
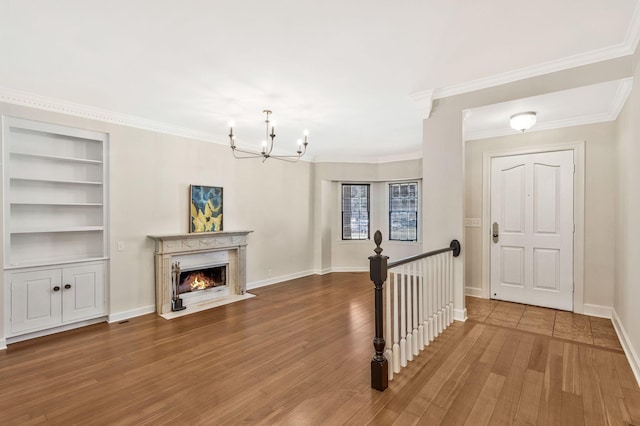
<point>267,144</point>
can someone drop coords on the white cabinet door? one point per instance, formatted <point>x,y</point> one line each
<point>35,300</point>
<point>83,292</point>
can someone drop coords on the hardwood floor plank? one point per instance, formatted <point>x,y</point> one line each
<point>299,353</point>
<point>572,409</point>
<point>485,403</point>
<point>528,405</point>
<point>550,408</point>
<point>593,402</point>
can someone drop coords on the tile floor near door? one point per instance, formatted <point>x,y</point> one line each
<point>551,322</point>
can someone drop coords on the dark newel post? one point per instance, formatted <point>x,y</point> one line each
<point>378,274</point>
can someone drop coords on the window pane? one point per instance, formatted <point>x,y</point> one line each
<point>355,212</point>
<point>403,211</point>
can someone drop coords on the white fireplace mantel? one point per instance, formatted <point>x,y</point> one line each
<point>170,245</point>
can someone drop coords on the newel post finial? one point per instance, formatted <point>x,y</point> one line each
<point>377,238</point>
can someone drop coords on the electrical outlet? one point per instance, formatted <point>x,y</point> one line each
<point>269,273</point>
<point>120,245</point>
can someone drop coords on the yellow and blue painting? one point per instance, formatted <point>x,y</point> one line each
<point>206,208</point>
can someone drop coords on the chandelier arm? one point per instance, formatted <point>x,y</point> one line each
<point>250,154</point>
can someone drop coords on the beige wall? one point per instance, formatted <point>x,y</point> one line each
<point>332,252</point>
<point>443,151</point>
<point>599,202</point>
<point>626,302</point>
<point>149,190</point>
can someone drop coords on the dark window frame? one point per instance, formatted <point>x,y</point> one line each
<point>350,212</point>
<point>404,206</point>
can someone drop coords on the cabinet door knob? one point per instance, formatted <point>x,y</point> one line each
<point>67,286</point>
<point>56,288</point>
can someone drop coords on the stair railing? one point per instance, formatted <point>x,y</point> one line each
<point>418,306</point>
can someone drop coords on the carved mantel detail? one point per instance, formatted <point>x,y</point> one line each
<point>170,245</point>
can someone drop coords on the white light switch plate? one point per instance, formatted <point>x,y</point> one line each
<point>472,222</point>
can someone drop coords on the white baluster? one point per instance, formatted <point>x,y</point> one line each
<point>425,301</point>
<point>440,293</point>
<point>403,318</point>
<point>432,298</point>
<point>388,352</point>
<point>408,282</point>
<point>396,326</point>
<point>420,284</point>
<point>414,307</point>
<point>451,260</point>
<point>445,262</point>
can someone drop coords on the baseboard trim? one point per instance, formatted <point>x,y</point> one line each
<point>629,351</point>
<point>597,311</point>
<point>322,271</point>
<point>350,269</point>
<point>281,278</point>
<point>124,315</point>
<point>460,314</point>
<point>473,291</point>
<point>3,344</point>
<point>54,330</point>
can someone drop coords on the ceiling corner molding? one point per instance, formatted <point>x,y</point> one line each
<point>424,102</point>
<point>618,101</point>
<point>625,48</point>
<point>416,155</point>
<point>31,100</point>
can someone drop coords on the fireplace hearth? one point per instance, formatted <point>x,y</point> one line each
<point>212,267</point>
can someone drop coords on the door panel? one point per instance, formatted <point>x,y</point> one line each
<point>532,205</point>
<point>83,292</point>
<point>35,300</point>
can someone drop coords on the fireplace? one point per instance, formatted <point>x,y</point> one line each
<point>212,267</point>
<point>202,279</point>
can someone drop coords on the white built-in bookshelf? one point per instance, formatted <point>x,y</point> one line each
<point>55,202</point>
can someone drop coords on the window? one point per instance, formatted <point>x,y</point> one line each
<point>403,211</point>
<point>355,212</point>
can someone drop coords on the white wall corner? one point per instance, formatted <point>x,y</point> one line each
<point>424,102</point>
<point>121,316</point>
<point>322,271</point>
<point>629,351</point>
<point>3,344</point>
<point>460,314</point>
<point>597,311</point>
<point>473,291</point>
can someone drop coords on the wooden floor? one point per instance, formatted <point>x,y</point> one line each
<point>299,354</point>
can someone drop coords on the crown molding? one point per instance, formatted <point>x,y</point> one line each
<point>424,102</point>
<point>31,100</point>
<point>620,98</point>
<point>617,103</point>
<point>625,48</point>
<point>416,155</point>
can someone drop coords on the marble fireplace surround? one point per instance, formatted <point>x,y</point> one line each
<point>179,245</point>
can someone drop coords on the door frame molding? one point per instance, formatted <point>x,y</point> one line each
<point>578,149</point>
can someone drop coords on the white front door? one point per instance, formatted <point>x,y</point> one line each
<point>532,229</point>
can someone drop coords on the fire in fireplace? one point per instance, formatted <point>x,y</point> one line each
<point>202,279</point>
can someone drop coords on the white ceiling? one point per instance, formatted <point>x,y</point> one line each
<point>587,104</point>
<point>343,69</point>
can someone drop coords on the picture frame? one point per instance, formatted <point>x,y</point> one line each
<point>206,207</point>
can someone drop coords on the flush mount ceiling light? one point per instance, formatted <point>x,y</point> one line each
<point>267,144</point>
<point>523,120</point>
